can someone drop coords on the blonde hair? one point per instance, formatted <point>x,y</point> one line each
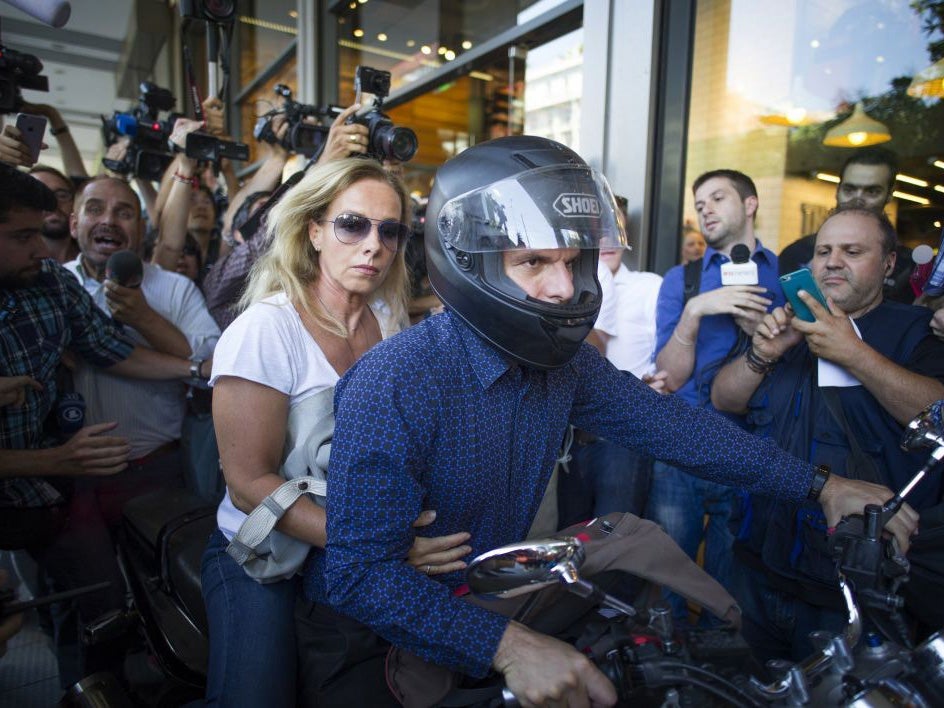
<point>291,263</point>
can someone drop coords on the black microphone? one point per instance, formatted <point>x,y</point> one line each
<point>125,268</point>
<point>741,270</point>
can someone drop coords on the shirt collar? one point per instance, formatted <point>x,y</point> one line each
<point>711,255</point>
<point>486,361</point>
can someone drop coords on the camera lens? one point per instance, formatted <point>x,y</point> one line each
<point>397,143</point>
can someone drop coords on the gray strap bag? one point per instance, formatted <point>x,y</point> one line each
<point>268,555</point>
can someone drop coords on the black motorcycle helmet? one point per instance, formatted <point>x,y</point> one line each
<point>512,193</point>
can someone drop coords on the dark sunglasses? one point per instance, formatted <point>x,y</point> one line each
<point>354,228</point>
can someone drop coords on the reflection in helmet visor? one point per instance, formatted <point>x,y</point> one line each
<point>548,207</point>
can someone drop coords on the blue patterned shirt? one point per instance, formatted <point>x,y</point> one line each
<point>436,418</point>
<point>37,324</point>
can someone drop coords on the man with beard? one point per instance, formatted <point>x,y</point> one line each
<point>56,234</point>
<point>884,366</point>
<point>43,313</point>
<point>698,325</point>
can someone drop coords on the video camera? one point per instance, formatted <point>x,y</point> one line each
<point>301,137</point>
<point>385,141</point>
<point>18,70</point>
<point>148,154</point>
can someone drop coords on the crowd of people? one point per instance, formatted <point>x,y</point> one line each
<point>552,385</point>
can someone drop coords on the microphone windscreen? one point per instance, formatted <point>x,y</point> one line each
<point>922,254</point>
<point>125,268</point>
<point>52,12</point>
<point>740,253</point>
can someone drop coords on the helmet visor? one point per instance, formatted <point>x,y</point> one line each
<point>559,206</point>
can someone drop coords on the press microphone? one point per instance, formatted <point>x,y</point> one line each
<point>922,256</point>
<point>70,414</point>
<point>125,268</point>
<point>52,12</point>
<point>740,270</point>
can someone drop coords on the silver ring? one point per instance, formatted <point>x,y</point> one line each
<point>353,138</point>
<point>428,567</point>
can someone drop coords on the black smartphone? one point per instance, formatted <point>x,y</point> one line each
<point>801,280</point>
<point>32,128</point>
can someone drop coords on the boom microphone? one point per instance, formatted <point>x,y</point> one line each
<point>741,270</point>
<point>53,12</point>
<point>125,268</point>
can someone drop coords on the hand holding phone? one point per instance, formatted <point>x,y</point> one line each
<point>32,128</point>
<point>801,280</point>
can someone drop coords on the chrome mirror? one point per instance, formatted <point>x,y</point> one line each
<point>525,567</point>
<point>926,430</point>
<point>522,565</point>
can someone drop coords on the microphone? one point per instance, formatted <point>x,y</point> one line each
<point>741,270</point>
<point>125,268</point>
<point>922,256</point>
<point>52,12</point>
<point>70,414</point>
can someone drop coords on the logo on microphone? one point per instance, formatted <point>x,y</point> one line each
<point>577,205</point>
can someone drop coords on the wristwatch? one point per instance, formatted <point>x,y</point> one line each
<point>195,369</point>
<point>820,476</point>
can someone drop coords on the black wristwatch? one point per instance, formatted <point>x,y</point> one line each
<point>820,476</point>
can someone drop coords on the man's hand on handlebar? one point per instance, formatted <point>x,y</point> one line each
<point>543,671</point>
<point>843,497</point>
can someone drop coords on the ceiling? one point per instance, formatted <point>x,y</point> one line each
<point>81,61</point>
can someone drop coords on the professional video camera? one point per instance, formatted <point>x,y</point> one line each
<point>148,154</point>
<point>301,137</point>
<point>18,70</point>
<point>385,141</point>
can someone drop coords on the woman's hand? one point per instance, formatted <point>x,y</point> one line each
<point>440,554</point>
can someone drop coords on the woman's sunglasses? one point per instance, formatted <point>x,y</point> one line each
<point>354,228</point>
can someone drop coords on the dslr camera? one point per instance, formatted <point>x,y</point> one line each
<point>385,141</point>
<point>18,70</point>
<point>148,155</point>
<point>302,137</point>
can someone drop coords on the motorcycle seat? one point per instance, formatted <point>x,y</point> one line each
<point>172,527</point>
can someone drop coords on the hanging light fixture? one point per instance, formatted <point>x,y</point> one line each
<point>858,130</point>
<point>928,82</point>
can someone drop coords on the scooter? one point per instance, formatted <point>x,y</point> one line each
<point>651,663</point>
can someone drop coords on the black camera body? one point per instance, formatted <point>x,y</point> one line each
<point>147,156</point>
<point>221,12</point>
<point>385,141</point>
<point>301,137</point>
<point>18,70</point>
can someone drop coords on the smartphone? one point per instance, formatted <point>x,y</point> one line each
<point>801,280</point>
<point>32,128</point>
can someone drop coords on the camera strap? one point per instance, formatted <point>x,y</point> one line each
<point>192,82</point>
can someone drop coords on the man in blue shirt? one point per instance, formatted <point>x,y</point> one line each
<point>464,414</point>
<point>700,323</point>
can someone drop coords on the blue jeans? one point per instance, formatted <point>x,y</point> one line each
<point>252,633</point>
<point>777,624</point>
<point>679,502</point>
<point>602,478</point>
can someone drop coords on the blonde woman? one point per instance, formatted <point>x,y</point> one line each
<point>332,284</point>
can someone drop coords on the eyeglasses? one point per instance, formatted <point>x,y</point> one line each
<point>354,228</point>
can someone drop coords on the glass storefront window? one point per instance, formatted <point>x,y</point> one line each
<point>260,101</point>
<point>266,28</point>
<point>770,78</point>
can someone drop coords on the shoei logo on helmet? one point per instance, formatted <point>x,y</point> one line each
<point>577,205</point>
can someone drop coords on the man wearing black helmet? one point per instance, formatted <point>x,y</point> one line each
<point>464,412</point>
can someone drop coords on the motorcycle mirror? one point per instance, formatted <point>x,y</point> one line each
<point>926,430</point>
<point>521,565</point>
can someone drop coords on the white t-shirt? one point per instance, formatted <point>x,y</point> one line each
<point>607,319</point>
<point>633,346</point>
<point>268,344</point>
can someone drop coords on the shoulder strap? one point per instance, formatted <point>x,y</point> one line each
<point>863,466</point>
<point>692,279</point>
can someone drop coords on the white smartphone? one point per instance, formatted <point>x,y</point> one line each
<point>32,128</point>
